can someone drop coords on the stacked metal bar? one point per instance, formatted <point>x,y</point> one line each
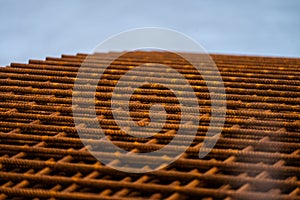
<point>256,157</point>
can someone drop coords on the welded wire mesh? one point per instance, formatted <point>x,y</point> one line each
<point>256,157</point>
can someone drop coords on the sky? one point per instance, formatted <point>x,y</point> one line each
<point>34,29</point>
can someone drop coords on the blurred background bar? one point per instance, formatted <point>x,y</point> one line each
<point>35,29</point>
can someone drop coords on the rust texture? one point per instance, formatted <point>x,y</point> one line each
<point>256,157</point>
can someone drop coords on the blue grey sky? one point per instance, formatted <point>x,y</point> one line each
<point>34,29</point>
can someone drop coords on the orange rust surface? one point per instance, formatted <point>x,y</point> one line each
<point>256,157</point>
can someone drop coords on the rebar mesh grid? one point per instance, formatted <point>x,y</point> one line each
<point>256,157</point>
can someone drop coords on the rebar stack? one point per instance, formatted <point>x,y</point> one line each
<point>256,157</point>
